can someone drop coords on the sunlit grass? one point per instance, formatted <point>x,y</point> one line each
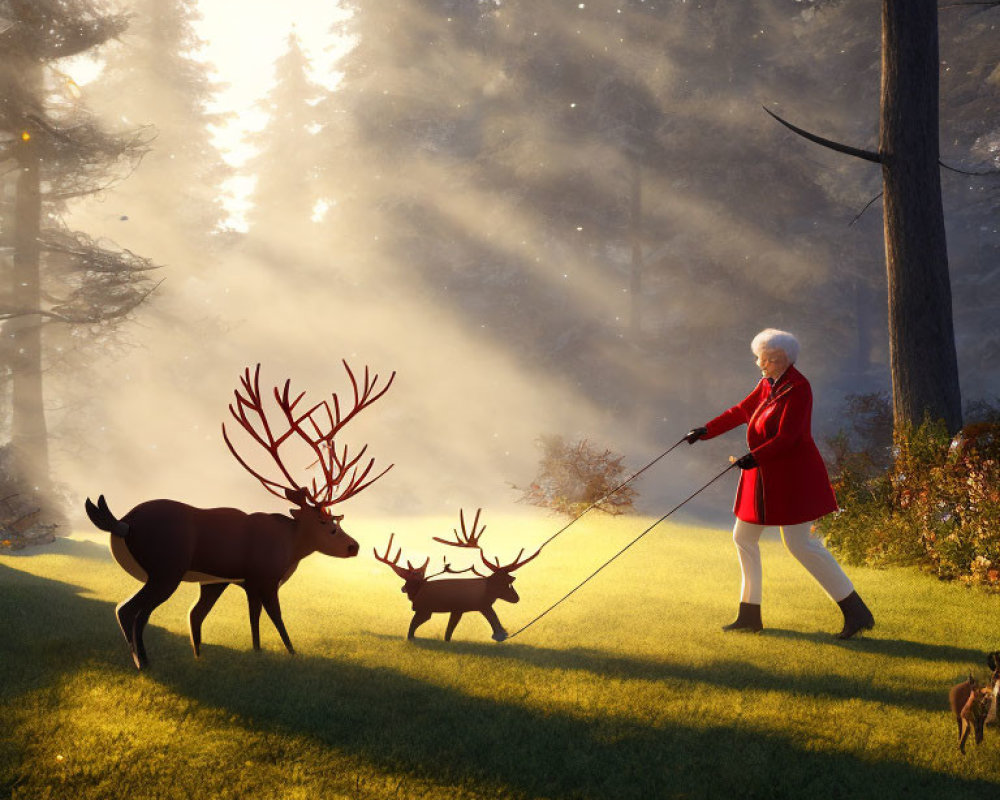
<point>627,690</point>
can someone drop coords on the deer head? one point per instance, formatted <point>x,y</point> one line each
<point>412,576</point>
<point>501,579</point>
<point>315,430</point>
<point>320,529</point>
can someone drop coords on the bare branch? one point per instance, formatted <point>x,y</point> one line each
<point>97,257</point>
<point>68,315</point>
<point>14,313</point>
<point>44,124</point>
<point>987,173</point>
<point>866,155</point>
<point>58,197</point>
<point>863,210</point>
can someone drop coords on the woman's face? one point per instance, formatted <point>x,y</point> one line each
<point>772,363</point>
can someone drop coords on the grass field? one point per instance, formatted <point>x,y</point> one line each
<point>628,690</point>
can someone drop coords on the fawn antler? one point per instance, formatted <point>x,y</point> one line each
<point>471,539</point>
<point>318,437</point>
<point>410,572</point>
<point>447,570</point>
<point>465,538</point>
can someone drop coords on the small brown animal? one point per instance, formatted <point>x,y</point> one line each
<point>993,662</point>
<point>970,703</point>
<point>456,596</point>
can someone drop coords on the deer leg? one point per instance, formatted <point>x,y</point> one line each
<point>499,634</point>
<point>273,609</point>
<point>419,618</point>
<point>146,600</point>
<point>965,728</point>
<point>452,622</point>
<point>125,613</point>
<point>254,606</point>
<point>209,593</point>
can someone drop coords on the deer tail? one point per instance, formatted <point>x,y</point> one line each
<point>102,517</point>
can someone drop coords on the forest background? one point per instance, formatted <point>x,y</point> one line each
<point>547,217</point>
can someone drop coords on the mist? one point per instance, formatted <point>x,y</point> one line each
<point>544,218</point>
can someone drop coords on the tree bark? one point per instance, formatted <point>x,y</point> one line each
<point>862,357</point>
<point>921,336</point>
<point>29,434</point>
<point>635,234</point>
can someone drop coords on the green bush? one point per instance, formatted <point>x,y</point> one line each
<point>572,476</point>
<point>937,504</point>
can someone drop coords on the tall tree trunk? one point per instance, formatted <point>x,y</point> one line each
<point>29,434</point>
<point>635,234</point>
<point>921,336</point>
<point>862,315</point>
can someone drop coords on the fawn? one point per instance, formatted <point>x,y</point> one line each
<point>456,596</point>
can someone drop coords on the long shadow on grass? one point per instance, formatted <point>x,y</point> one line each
<point>75,548</point>
<point>899,648</point>
<point>724,674</point>
<point>47,628</point>
<point>411,728</point>
<point>424,732</point>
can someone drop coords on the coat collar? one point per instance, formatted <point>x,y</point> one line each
<point>789,377</point>
<point>787,381</point>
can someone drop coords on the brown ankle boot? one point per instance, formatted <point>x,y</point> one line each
<point>857,616</point>
<point>748,619</point>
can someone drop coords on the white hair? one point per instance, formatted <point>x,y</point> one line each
<point>773,339</point>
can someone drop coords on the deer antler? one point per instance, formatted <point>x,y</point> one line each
<point>408,573</point>
<point>465,538</point>
<point>517,563</point>
<point>470,539</point>
<point>447,570</point>
<point>334,466</point>
<point>252,402</point>
<point>362,399</point>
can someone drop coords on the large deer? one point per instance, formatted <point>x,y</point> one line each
<point>456,596</point>
<point>164,542</point>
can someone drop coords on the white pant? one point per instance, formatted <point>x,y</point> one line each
<point>808,551</point>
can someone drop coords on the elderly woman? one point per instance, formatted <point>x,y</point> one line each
<point>783,482</point>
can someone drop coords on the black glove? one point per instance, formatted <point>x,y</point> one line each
<point>746,462</point>
<point>695,434</point>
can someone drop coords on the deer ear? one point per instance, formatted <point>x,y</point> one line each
<point>297,496</point>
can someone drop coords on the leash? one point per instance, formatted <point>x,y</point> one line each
<point>619,487</point>
<point>626,547</point>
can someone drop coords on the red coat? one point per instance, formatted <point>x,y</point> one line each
<point>790,484</point>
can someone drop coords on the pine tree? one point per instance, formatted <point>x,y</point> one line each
<point>153,75</point>
<point>57,153</point>
<point>287,163</point>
